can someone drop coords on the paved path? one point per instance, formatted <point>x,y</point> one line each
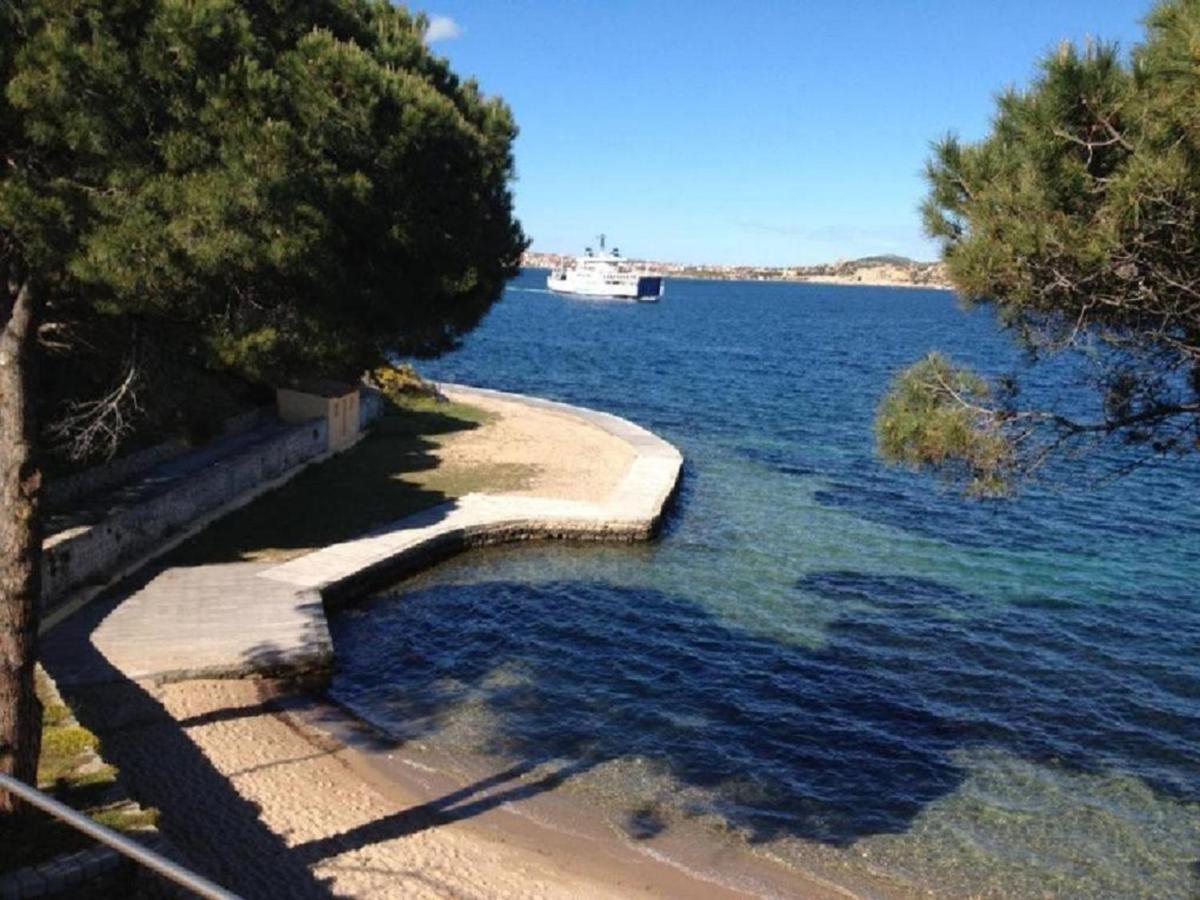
<point>261,619</point>
<point>254,802</point>
<point>632,512</point>
<point>193,622</point>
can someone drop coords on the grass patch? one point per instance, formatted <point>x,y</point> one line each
<point>70,771</point>
<point>62,747</point>
<point>391,473</point>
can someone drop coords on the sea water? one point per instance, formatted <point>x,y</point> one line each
<point>839,664</point>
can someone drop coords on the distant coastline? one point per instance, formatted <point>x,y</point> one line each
<point>869,271</point>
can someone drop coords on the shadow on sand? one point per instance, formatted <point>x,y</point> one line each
<point>210,827</point>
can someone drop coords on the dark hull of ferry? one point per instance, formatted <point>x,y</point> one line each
<point>649,289</point>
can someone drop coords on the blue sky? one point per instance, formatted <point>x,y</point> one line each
<point>770,133</point>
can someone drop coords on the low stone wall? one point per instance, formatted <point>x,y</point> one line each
<point>249,419</point>
<point>63,491</point>
<point>92,554</point>
<point>60,492</point>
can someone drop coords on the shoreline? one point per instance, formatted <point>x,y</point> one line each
<point>221,725</point>
<point>557,830</point>
<point>542,823</point>
<point>840,280</point>
<point>843,282</point>
<point>257,747</point>
<point>816,279</point>
<point>545,826</point>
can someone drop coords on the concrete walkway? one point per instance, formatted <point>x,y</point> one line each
<point>631,513</point>
<point>244,619</point>
<point>217,621</point>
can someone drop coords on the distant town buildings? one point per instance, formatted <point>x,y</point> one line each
<point>870,270</point>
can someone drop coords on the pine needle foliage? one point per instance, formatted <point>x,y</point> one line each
<point>306,185</point>
<point>932,417</point>
<point>265,188</point>
<point>1078,218</point>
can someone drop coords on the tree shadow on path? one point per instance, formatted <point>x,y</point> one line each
<point>215,830</point>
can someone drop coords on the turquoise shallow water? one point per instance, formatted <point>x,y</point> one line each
<point>841,664</point>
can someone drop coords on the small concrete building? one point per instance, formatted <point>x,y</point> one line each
<point>323,398</point>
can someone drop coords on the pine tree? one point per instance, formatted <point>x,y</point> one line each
<point>297,187</point>
<point>1078,218</point>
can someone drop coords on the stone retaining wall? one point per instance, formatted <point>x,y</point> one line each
<point>92,554</point>
<point>77,562</point>
<point>62,491</point>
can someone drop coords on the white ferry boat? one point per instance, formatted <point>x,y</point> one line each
<point>605,274</point>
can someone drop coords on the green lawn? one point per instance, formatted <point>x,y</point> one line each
<point>389,474</point>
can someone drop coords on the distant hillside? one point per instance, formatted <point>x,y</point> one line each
<point>877,270</point>
<point>888,259</point>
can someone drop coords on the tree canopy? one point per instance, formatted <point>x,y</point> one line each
<point>300,187</point>
<point>1078,217</point>
<point>254,187</point>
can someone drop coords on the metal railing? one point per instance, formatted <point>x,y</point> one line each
<point>135,851</point>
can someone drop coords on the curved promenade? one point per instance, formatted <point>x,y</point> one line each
<point>246,619</point>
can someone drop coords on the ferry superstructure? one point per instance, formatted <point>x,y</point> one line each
<point>605,274</point>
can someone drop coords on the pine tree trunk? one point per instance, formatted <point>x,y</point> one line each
<point>20,543</point>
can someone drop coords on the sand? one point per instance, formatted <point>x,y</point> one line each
<point>565,457</point>
<point>357,834</point>
<point>284,794</point>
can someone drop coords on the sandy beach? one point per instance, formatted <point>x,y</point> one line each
<point>561,456</point>
<point>360,833</point>
<point>332,798</point>
<point>274,792</point>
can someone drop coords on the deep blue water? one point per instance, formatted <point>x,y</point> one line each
<point>848,665</point>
